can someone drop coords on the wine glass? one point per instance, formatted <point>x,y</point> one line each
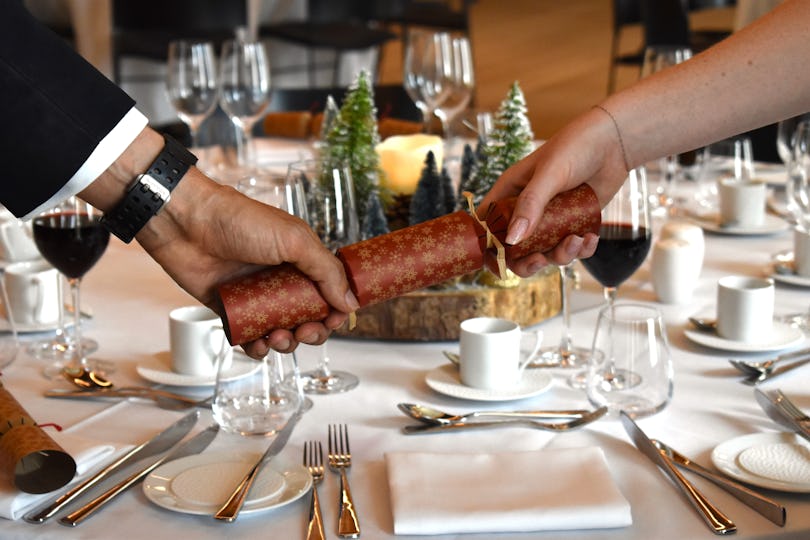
<point>72,238</point>
<point>462,83</point>
<point>657,58</point>
<point>244,91</point>
<point>624,241</point>
<point>785,134</point>
<point>288,193</point>
<point>191,83</point>
<point>427,72</point>
<point>333,216</point>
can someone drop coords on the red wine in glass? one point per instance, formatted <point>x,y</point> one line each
<point>72,242</point>
<point>620,251</point>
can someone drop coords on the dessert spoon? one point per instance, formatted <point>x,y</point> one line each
<point>432,416</point>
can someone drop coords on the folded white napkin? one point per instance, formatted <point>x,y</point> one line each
<point>87,454</point>
<point>553,489</point>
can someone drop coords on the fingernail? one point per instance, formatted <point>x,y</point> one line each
<point>517,230</point>
<point>281,345</point>
<point>574,246</point>
<point>351,300</point>
<point>535,267</point>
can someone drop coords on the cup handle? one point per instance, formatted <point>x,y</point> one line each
<point>538,341</point>
<point>39,309</point>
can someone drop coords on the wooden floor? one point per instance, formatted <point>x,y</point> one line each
<point>558,51</point>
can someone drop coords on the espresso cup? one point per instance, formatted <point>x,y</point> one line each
<point>490,353</point>
<point>742,203</point>
<point>34,295</point>
<point>674,270</point>
<point>745,308</point>
<point>197,341</point>
<point>17,240</point>
<point>801,252</point>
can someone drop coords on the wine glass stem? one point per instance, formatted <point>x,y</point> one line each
<point>323,365</point>
<point>77,358</point>
<point>566,284</point>
<point>610,296</point>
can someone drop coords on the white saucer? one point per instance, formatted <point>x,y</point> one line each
<point>774,174</point>
<point>782,270</point>
<point>783,337</point>
<point>771,225</point>
<point>33,328</point>
<point>445,380</point>
<point>200,484</point>
<point>767,460</point>
<point>159,371</point>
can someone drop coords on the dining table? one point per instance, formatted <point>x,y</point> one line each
<point>129,298</point>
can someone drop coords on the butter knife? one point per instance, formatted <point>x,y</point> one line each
<point>765,506</point>
<point>230,510</point>
<point>157,444</point>
<point>718,522</point>
<point>193,446</point>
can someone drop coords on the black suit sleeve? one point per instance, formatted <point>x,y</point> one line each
<point>55,108</point>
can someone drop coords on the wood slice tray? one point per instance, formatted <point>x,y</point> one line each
<point>434,315</point>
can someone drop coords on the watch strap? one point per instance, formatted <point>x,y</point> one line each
<point>150,191</point>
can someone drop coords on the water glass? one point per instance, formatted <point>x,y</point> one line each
<point>630,368</point>
<point>262,402</point>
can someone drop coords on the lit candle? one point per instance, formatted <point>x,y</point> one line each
<point>402,158</point>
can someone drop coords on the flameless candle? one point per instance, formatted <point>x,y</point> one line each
<point>402,158</point>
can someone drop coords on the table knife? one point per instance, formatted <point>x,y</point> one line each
<point>193,446</point>
<point>157,444</point>
<point>230,510</point>
<point>765,506</point>
<point>772,408</point>
<point>718,522</point>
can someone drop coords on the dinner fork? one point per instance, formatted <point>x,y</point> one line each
<point>789,407</point>
<point>313,461</point>
<point>340,459</point>
<point>586,418</point>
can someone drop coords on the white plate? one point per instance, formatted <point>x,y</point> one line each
<point>783,336</point>
<point>771,225</point>
<point>445,380</point>
<point>200,484</point>
<point>159,371</point>
<point>774,457</point>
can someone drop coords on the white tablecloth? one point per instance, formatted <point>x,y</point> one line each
<point>131,298</point>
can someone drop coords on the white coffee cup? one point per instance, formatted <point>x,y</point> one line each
<point>34,295</point>
<point>801,252</point>
<point>688,232</point>
<point>674,268</point>
<point>742,203</point>
<point>490,353</point>
<point>745,308</point>
<point>17,240</point>
<point>197,341</point>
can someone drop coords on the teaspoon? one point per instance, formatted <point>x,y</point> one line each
<point>432,416</point>
<point>704,324</point>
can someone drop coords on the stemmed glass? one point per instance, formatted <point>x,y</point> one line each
<point>333,217</point>
<point>191,83</point>
<point>785,136</point>
<point>624,241</point>
<point>72,238</point>
<point>427,71</point>
<point>658,58</point>
<point>244,91</point>
<point>462,83</point>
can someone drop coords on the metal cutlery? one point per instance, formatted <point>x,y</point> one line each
<point>757,368</point>
<point>157,444</point>
<point>781,410</point>
<point>340,459</point>
<point>765,506</point>
<point>230,510</point>
<point>718,522</point>
<point>766,375</point>
<point>193,446</point>
<point>164,399</point>
<point>313,461</point>
<point>432,416</point>
<point>580,421</point>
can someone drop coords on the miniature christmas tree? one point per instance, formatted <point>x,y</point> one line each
<point>330,112</point>
<point>448,193</point>
<point>428,200</point>
<point>509,142</point>
<point>351,140</point>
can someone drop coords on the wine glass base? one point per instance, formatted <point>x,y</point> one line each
<point>316,382</point>
<point>617,379</point>
<point>56,348</point>
<point>798,320</point>
<point>575,357</point>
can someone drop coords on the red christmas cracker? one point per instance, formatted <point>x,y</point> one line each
<point>393,264</point>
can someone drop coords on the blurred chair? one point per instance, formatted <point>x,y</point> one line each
<point>337,25</point>
<point>143,28</point>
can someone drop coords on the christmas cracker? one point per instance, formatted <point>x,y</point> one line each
<point>400,262</point>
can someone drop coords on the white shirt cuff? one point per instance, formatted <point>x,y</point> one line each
<point>107,151</point>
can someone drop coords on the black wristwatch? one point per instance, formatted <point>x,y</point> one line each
<point>150,191</point>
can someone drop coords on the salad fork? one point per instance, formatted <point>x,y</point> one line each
<point>340,459</point>
<point>313,461</point>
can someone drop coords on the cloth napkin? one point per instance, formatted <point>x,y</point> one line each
<point>551,489</point>
<point>86,452</point>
